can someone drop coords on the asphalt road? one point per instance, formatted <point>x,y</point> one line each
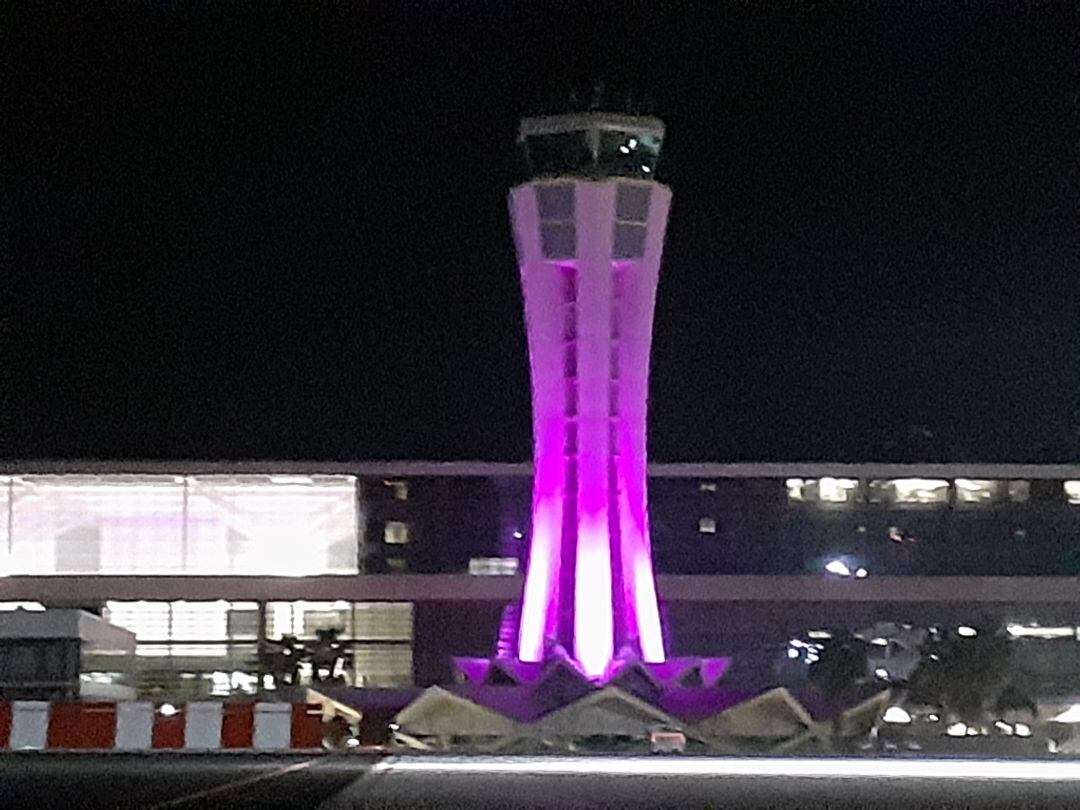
<point>189,781</point>
<point>86,781</point>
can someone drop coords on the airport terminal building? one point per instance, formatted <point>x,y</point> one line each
<point>413,563</point>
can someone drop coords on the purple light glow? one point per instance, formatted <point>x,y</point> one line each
<point>589,323</point>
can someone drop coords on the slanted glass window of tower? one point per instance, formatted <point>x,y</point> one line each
<point>590,145</point>
<point>559,153</point>
<point>628,154</point>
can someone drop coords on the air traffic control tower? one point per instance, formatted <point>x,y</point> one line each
<point>589,225</point>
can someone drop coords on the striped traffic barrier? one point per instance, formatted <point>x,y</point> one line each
<point>145,726</point>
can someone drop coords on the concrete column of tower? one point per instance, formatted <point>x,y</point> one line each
<point>593,607</point>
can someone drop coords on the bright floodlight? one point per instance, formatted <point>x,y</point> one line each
<point>896,714</point>
<point>966,632</point>
<point>168,710</point>
<point>839,568</point>
<point>1070,715</point>
<point>957,730</point>
<point>861,573</point>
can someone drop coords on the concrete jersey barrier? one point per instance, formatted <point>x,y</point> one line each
<point>145,726</point>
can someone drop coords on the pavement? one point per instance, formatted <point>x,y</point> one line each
<point>354,782</point>
<point>173,781</point>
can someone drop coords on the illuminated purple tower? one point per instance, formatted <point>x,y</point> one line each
<point>589,227</point>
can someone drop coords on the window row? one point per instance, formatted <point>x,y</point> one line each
<point>558,232</point>
<point>590,153</point>
<point>221,621</point>
<point>164,524</point>
<point>914,491</point>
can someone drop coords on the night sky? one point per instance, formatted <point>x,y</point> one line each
<point>244,230</point>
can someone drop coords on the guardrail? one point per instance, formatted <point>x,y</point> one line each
<point>144,726</point>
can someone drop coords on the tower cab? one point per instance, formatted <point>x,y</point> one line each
<point>589,145</point>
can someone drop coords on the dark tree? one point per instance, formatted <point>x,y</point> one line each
<point>841,666</point>
<point>964,677</point>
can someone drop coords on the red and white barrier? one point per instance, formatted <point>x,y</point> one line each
<point>144,726</point>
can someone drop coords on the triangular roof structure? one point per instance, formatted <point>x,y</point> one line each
<point>439,712</point>
<point>860,718</point>
<point>772,715</point>
<point>690,672</point>
<point>516,702</point>
<point>634,677</point>
<point>823,706</point>
<point>560,684</point>
<point>610,712</point>
<point>694,705</point>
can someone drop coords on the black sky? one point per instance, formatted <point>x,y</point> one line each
<point>279,231</point>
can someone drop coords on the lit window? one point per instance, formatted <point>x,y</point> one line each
<point>493,566</point>
<point>796,489</point>
<point>1072,492</point>
<point>837,490</point>
<point>161,525</point>
<point>920,490</point>
<point>385,665</point>
<point>194,629</point>
<point>243,620</point>
<point>396,533</point>
<point>825,490</point>
<point>970,490</point>
<point>400,489</point>
<point>706,525</point>
<point>383,621</point>
<point>1019,491</point>
<point>707,486</point>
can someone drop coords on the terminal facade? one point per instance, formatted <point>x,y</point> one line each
<point>415,562</point>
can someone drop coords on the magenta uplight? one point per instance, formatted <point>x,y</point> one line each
<point>589,250</point>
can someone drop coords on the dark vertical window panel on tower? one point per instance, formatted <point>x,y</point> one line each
<point>570,323</point>
<point>570,408</point>
<point>558,240</point>
<point>570,446</point>
<point>570,361</point>
<point>629,242</point>
<point>555,201</point>
<point>628,154</point>
<point>632,202</point>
